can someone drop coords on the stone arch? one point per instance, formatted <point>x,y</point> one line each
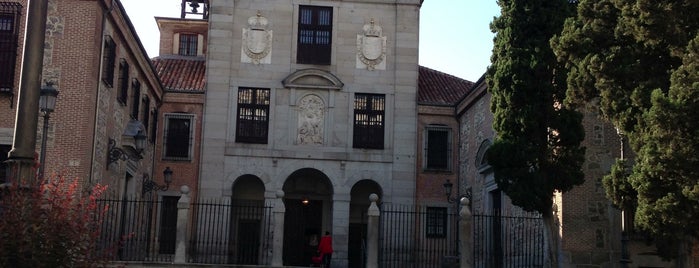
<point>481,160</point>
<point>248,187</point>
<point>312,78</point>
<point>308,199</point>
<point>359,204</point>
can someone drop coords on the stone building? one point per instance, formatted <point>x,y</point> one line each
<point>589,226</point>
<point>108,92</point>
<point>315,99</point>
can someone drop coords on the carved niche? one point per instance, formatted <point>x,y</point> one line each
<point>257,41</point>
<point>371,48</point>
<point>311,117</point>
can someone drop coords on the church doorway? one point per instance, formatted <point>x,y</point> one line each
<point>359,204</point>
<point>308,202</point>
<point>248,217</point>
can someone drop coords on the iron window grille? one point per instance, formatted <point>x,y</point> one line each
<point>314,35</point>
<point>179,135</point>
<point>253,115</point>
<point>188,44</point>
<point>436,225</point>
<point>369,112</point>
<point>108,61</point>
<point>135,104</point>
<point>9,35</point>
<point>123,81</point>
<point>437,148</point>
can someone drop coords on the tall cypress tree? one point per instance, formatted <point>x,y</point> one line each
<point>537,150</point>
<point>627,56</point>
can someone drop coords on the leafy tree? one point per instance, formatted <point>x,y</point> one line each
<point>537,150</point>
<point>52,225</point>
<point>627,56</point>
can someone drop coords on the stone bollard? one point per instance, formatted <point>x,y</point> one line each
<point>466,235</point>
<point>278,235</point>
<point>372,245</point>
<point>182,220</point>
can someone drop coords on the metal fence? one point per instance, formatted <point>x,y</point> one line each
<point>130,230</point>
<point>233,232</point>
<point>508,241</point>
<point>420,237</point>
<point>220,231</point>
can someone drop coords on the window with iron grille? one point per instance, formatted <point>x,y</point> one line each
<point>123,81</point>
<point>436,225</point>
<point>314,35</point>
<point>154,126</point>
<point>369,112</point>
<point>188,44</point>
<point>135,104</point>
<point>108,61</point>
<point>437,148</point>
<point>253,115</point>
<point>9,34</point>
<point>146,114</point>
<point>179,134</point>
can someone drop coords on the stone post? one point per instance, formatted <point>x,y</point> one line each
<point>182,220</point>
<point>372,237</point>
<point>278,235</point>
<point>465,234</point>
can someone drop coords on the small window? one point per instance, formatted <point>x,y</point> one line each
<point>135,104</point>
<point>253,115</point>
<point>9,34</point>
<point>188,44</point>
<point>369,121</point>
<point>436,225</point>
<point>108,61</point>
<point>123,81</point>
<point>179,132</point>
<point>315,35</point>
<point>146,114</point>
<point>437,148</point>
<point>154,126</point>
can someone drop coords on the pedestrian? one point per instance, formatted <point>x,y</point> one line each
<point>325,247</point>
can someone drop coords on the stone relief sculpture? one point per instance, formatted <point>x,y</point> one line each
<point>371,47</point>
<point>257,41</point>
<point>311,117</point>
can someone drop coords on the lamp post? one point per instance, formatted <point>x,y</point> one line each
<point>448,187</point>
<point>149,185</point>
<point>47,103</point>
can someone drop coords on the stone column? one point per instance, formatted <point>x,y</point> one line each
<point>372,236</point>
<point>340,229</point>
<point>465,235</point>
<point>278,235</point>
<point>182,220</point>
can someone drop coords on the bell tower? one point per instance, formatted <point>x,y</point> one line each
<point>192,9</point>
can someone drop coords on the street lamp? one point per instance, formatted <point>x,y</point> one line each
<point>149,185</point>
<point>47,103</point>
<point>115,153</point>
<point>448,187</point>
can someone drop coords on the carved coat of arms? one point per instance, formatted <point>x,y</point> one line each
<point>257,41</point>
<point>371,47</point>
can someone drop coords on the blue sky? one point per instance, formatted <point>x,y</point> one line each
<point>455,36</point>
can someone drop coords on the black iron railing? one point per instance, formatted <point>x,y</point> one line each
<point>508,241</point>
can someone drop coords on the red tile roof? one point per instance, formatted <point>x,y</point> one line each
<point>438,88</point>
<point>182,73</point>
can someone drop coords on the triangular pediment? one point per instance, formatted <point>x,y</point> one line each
<point>312,78</point>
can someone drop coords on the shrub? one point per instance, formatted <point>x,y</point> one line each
<point>50,225</point>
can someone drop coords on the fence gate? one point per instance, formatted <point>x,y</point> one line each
<point>508,241</point>
<point>419,237</point>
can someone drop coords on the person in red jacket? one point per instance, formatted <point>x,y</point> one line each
<point>325,247</point>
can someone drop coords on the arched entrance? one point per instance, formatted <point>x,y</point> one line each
<point>248,219</point>
<point>359,204</point>
<point>308,201</point>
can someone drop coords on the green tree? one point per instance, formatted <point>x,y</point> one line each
<point>537,150</point>
<point>625,55</point>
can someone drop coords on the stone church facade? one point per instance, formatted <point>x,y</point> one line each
<point>315,100</point>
